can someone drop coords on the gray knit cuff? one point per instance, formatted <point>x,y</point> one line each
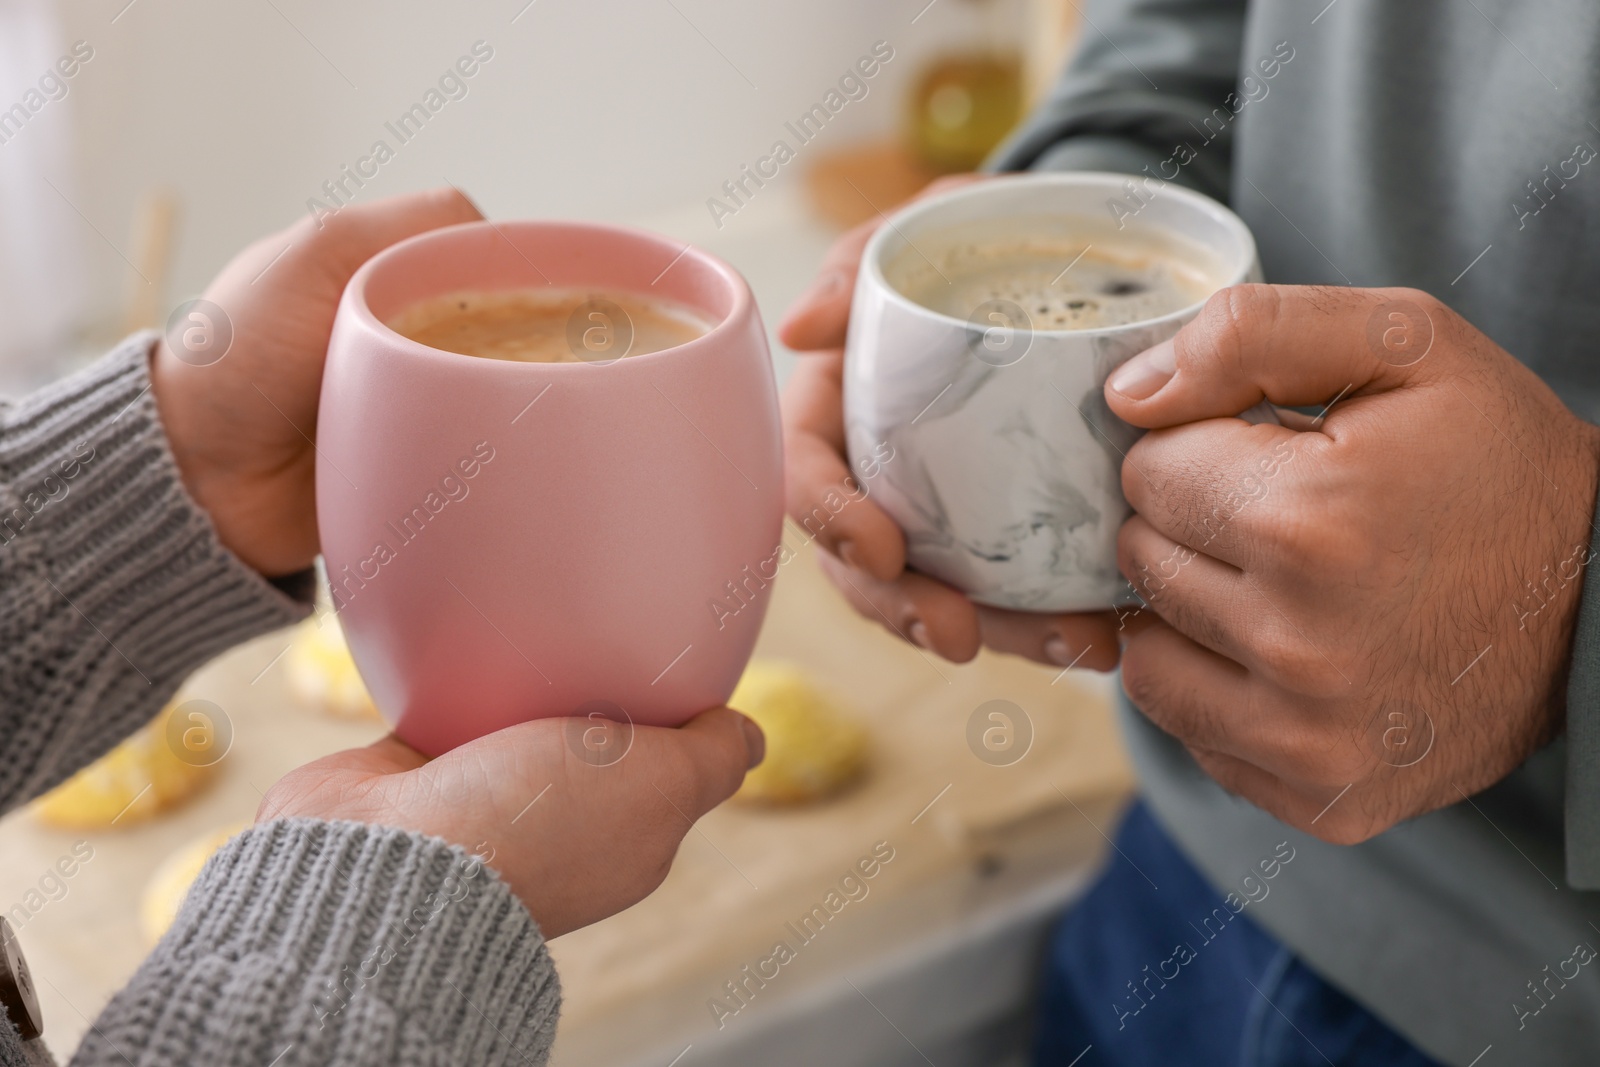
<point>115,575</point>
<point>358,944</point>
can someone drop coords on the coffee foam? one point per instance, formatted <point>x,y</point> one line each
<point>1066,273</point>
<point>550,324</point>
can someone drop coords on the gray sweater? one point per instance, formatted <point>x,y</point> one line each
<point>302,942</point>
<point>1447,145</point>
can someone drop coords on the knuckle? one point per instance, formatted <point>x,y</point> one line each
<point>1135,563</point>
<point>1296,661</point>
<point>1141,680</point>
<point>824,508</point>
<point>1168,706</point>
<point>1132,473</point>
<point>1279,652</point>
<point>728,773</point>
<point>1309,538</point>
<point>1211,517</point>
<point>1200,625</point>
<point>1429,303</point>
<point>1229,318</point>
<point>1310,756</point>
<point>1328,538</point>
<point>453,205</point>
<point>1302,535</point>
<point>1253,304</point>
<point>1443,323</point>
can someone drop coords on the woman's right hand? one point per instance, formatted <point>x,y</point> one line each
<point>581,818</point>
<point>864,551</point>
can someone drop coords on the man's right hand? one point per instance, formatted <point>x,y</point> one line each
<point>864,551</point>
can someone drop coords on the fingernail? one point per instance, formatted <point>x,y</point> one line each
<point>754,740</point>
<point>919,634</point>
<point>1057,651</point>
<point>847,553</point>
<point>1143,376</point>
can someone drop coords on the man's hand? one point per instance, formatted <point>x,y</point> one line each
<point>865,552</point>
<point>575,838</point>
<point>1367,616</point>
<point>241,428</point>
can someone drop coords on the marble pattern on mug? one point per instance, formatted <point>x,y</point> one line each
<point>996,474</point>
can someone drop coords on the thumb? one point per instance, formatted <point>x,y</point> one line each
<point>720,745</point>
<point>360,231</point>
<point>387,755</point>
<point>1292,345</point>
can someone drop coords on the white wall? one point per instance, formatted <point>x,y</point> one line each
<point>613,109</point>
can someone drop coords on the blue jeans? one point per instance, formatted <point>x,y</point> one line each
<point>1119,992</point>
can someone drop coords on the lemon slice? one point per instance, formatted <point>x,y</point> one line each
<point>813,747</point>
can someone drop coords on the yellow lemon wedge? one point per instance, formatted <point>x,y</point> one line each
<point>140,778</point>
<point>170,883</point>
<point>813,747</point>
<point>322,675</point>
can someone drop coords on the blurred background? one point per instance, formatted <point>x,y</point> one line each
<point>187,129</point>
<point>197,127</point>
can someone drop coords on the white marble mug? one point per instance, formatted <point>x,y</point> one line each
<point>991,443</point>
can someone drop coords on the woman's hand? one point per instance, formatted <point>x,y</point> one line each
<point>241,426</point>
<point>581,818</point>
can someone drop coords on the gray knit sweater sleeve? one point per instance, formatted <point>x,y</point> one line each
<point>308,942</point>
<point>302,942</point>
<point>113,585</point>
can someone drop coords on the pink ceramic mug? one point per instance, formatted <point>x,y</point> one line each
<point>508,541</point>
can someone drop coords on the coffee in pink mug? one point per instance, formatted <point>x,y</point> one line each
<point>514,540</point>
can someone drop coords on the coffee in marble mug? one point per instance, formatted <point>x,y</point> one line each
<point>985,323</point>
<point>1064,273</point>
